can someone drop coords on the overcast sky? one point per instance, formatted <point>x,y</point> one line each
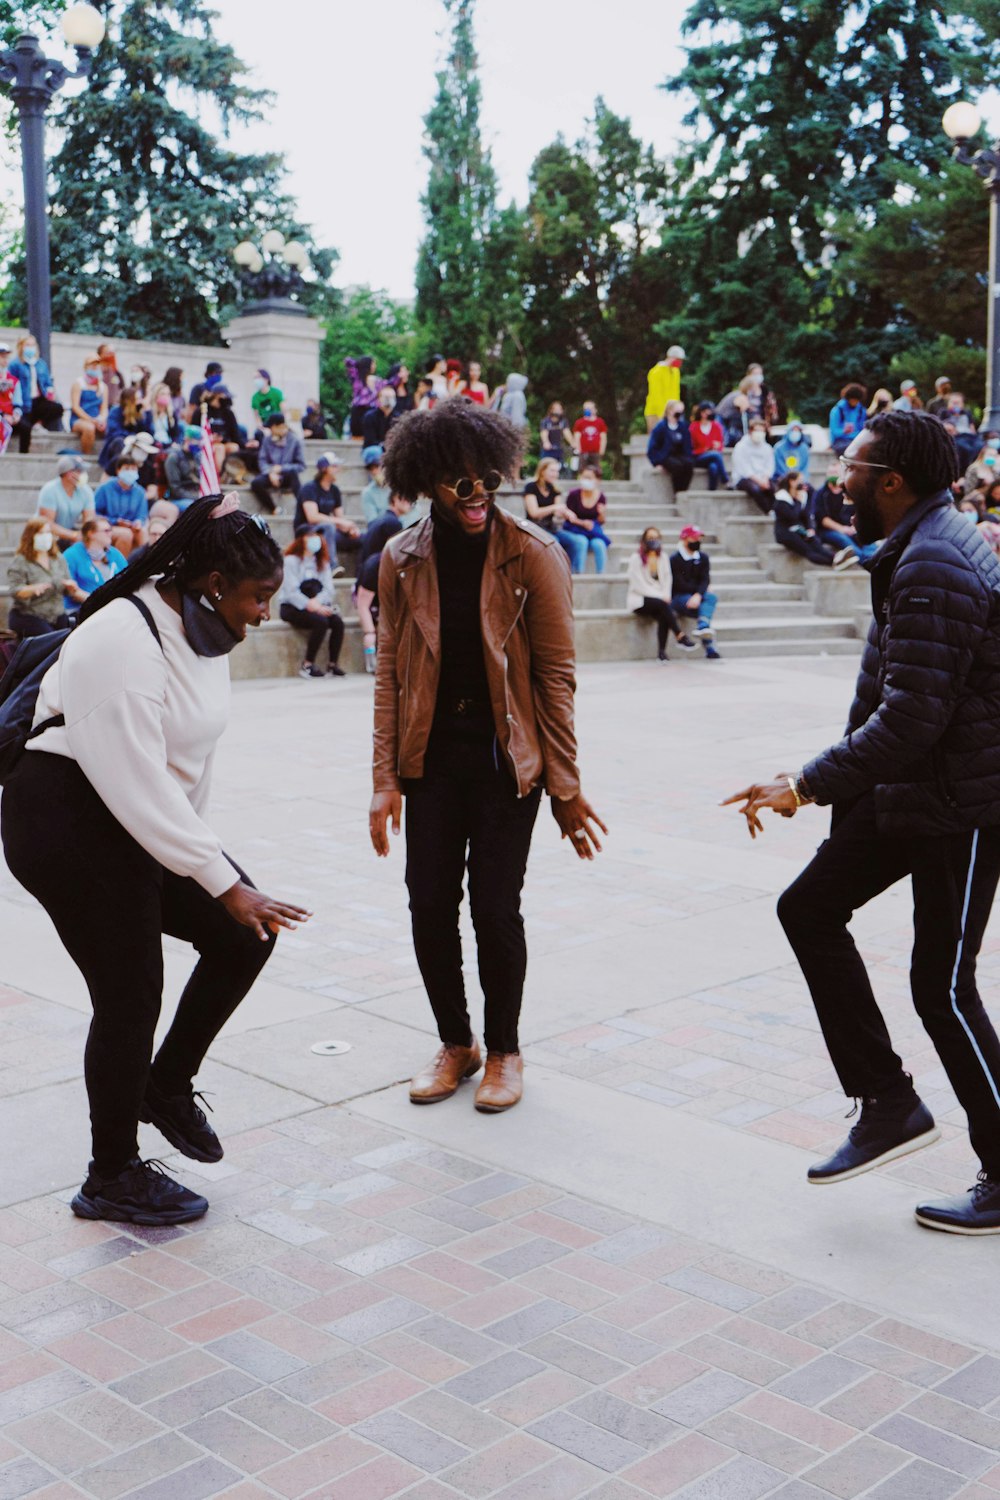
<point>353,83</point>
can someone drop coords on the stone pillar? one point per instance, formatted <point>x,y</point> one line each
<point>285,344</point>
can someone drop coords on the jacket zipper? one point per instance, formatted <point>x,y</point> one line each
<point>512,722</point>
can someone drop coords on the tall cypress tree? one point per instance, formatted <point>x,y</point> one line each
<point>465,290</point>
<point>807,117</point>
<point>146,203</point>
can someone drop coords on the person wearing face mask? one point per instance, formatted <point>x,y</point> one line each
<point>792,452</point>
<point>266,401</point>
<point>160,419</point>
<point>986,465</point>
<point>108,359</point>
<point>40,583</point>
<point>378,420</point>
<point>38,397</point>
<point>124,421</point>
<point>663,385</point>
<point>308,602</point>
<point>649,585</point>
<point>321,505</point>
<point>67,501</point>
<point>122,501</point>
<point>793,522</point>
<point>182,467</point>
<point>754,466</point>
<point>126,725</point>
<point>669,447</point>
<point>833,517</point>
<point>88,404</point>
<point>376,493</point>
<point>691,596</point>
<point>963,424</point>
<point>707,443</point>
<point>11,400</point>
<point>554,435</point>
<point>93,560</point>
<point>584,523</point>
<point>913,791</point>
<point>282,459</point>
<point>474,688</point>
<point>590,435</point>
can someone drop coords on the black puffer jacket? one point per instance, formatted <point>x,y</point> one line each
<point>924,728</point>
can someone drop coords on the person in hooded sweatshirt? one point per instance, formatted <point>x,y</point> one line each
<point>791,454</point>
<point>514,405</point>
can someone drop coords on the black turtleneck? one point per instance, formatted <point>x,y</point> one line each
<point>460,562</point>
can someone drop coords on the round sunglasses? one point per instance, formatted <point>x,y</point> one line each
<point>465,488</point>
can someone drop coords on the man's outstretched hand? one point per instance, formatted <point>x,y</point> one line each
<point>777,795</point>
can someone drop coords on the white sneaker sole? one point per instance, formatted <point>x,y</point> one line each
<point>916,1144</point>
<point>952,1228</point>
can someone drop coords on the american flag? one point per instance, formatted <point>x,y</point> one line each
<point>208,482</point>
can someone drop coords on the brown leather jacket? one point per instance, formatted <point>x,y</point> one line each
<point>527,622</point>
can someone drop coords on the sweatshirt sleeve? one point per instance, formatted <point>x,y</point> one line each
<point>291,588</point>
<point>115,733</point>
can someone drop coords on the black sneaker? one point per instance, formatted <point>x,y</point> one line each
<point>711,654</point>
<point>686,643</point>
<point>336,670</point>
<point>141,1194</point>
<point>975,1212</point>
<point>886,1129</point>
<point>181,1119</point>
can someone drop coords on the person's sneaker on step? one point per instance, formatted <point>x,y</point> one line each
<point>894,1124</point>
<point>141,1193</point>
<point>975,1212</point>
<point>181,1119</point>
<point>711,654</point>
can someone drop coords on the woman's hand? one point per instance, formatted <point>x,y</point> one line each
<point>576,819</point>
<point>253,909</point>
<point>384,806</point>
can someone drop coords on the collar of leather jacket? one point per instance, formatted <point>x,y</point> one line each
<point>506,540</point>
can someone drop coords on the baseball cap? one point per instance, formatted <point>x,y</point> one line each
<point>691,534</point>
<point>327,461</point>
<point>266,374</point>
<point>676,352</point>
<point>908,385</point>
<point>372,454</point>
<point>941,380</point>
<point>68,461</point>
<point>5,349</point>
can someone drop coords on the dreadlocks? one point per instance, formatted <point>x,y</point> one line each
<point>916,446</point>
<point>235,545</point>
<point>455,438</point>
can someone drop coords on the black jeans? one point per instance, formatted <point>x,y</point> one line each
<point>319,627</point>
<point>954,880</point>
<point>269,494</point>
<point>42,410</point>
<point>666,621</point>
<point>23,623</point>
<point>809,547</point>
<point>475,819</point>
<point>681,471</point>
<point>762,498</point>
<point>110,902</point>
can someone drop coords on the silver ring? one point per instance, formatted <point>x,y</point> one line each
<point>579,833</point>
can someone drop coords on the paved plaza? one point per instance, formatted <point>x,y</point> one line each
<point>624,1288</point>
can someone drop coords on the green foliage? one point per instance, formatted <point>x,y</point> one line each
<point>466,287</point>
<point>38,16</point>
<point>358,322</point>
<point>146,203</point>
<point>964,366</point>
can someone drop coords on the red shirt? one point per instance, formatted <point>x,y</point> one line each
<point>590,430</point>
<point>706,442</point>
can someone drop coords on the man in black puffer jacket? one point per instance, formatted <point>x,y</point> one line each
<point>915,791</point>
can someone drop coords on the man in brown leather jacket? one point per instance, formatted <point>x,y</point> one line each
<point>473,719</point>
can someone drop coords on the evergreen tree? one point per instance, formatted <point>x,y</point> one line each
<point>805,117</point>
<point>465,291</point>
<point>146,204</point>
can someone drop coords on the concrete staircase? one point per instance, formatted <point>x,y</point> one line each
<point>771,603</point>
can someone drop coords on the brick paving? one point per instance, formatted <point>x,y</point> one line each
<point>365,1314</point>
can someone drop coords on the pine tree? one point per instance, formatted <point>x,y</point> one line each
<point>146,203</point>
<point>805,116</point>
<point>465,291</point>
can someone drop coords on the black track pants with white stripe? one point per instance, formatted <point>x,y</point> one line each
<point>954,881</point>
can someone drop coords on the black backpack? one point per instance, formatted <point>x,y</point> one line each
<point>20,684</point>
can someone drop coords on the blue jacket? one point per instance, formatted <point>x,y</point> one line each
<point>82,569</point>
<point>22,370</point>
<point>843,415</point>
<point>924,729</point>
<point>669,442</point>
<point>116,504</point>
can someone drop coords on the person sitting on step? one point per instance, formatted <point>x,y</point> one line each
<point>669,447</point>
<point>308,602</point>
<point>649,583</point>
<point>690,575</point>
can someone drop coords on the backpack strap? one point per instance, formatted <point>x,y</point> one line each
<point>57,720</point>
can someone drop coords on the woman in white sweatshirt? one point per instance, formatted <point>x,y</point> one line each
<point>102,821</point>
<point>649,583</point>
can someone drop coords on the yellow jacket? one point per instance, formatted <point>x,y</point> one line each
<point>664,384</point>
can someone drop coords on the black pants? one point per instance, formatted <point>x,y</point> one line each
<point>762,498</point>
<point>266,492</point>
<point>319,627</point>
<point>42,410</point>
<point>954,880</point>
<point>110,902</point>
<point>23,623</point>
<point>474,820</point>
<point>809,547</point>
<point>681,471</point>
<point>666,621</point>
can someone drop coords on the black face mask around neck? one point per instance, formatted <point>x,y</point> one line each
<point>206,630</point>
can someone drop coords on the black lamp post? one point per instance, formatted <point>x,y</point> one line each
<point>961,122</point>
<point>272,276</point>
<point>34,80</point>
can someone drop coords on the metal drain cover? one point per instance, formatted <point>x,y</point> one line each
<point>330,1049</point>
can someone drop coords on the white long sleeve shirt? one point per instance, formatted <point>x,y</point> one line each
<point>142,724</point>
<point>644,584</point>
<point>752,460</point>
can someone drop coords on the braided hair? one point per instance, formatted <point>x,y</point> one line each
<point>916,446</point>
<point>236,545</point>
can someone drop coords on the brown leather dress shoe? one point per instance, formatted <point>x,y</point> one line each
<point>503,1083</point>
<point>444,1073</point>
